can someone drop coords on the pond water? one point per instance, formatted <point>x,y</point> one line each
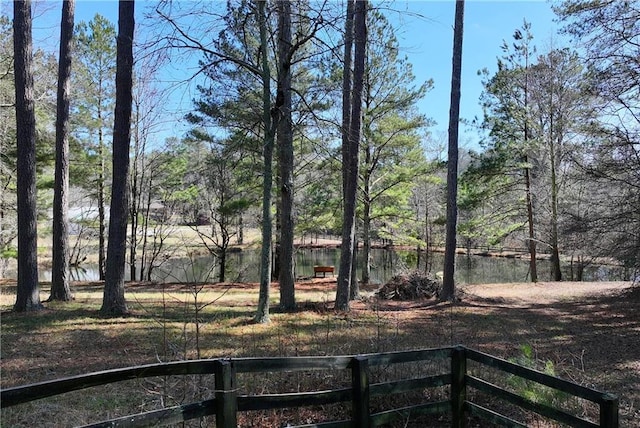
<point>244,267</point>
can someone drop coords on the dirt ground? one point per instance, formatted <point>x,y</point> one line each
<point>589,331</point>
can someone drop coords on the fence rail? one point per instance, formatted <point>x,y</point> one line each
<point>226,402</point>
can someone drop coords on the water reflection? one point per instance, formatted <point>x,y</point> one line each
<point>244,267</point>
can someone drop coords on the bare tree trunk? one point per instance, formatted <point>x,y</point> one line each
<point>137,179</point>
<point>285,155</point>
<point>346,92</point>
<point>448,286</point>
<point>350,187</point>
<point>555,250</point>
<point>366,236</point>
<point>277,250</point>
<point>262,313</point>
<point>133,247</point>
<point>113,302</point>
<point>533,262</point>
<point>240,238</point>
<point>135,195</point>
<point>354,287</point>
<point>427,236</point>
<point>28,290</point>
<point>223,259</point>
<point>145,208</point>
<point>343,284</point>
<point>532,243</point>
<point>146,260</point>
<point>101,205</point>
<point>366,215</point>
<point>60,271</point>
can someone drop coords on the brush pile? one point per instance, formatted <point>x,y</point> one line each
<point>410,286</point>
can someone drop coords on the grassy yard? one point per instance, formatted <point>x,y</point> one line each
<point>585,332</point>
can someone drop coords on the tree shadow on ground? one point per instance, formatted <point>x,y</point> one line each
<point>593,340</point>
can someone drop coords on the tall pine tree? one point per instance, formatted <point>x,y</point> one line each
<point>113,301</point>
<point>60,270</point>
<point>28,290</point>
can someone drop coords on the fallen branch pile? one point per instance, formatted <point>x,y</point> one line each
<point>410,286</point>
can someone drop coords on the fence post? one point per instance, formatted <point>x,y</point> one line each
<point>360,387</point>
<point>609,411</point>
<point>458,386</point>
<point>226,403</point>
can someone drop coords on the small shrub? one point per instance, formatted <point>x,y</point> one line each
<point>531,390</point>
<point>9,253</point>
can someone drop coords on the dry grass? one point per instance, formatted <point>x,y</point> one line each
<point>181,241</point>
<point>590,332</point>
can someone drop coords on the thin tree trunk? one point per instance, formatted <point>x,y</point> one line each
<point>134,209</point>
<point>101,205</point>
<point>533,262</point>
<point>427,237</point>
<point>113,302</point>
<point>555,251</point>
<point>343,291</point>
<point>222,254</point>
<point>145,261</point>
<point>354,287</point>
<point>138,176</point>
<point>133,248</point>
<point>532,243</point>
<point>346,93</point>
<point>448,286</point>
<point>60,270</point>
<point>277,250</point>
<point>344,284</point>
<point>285,154</point>
<point>28,290</point>
<point>366,236</point>
<point>366,213</point>
<point>262,313</point>
<point>240,239</point>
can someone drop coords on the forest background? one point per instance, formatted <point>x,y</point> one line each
<point>306,120</point>
<point>554,164</point>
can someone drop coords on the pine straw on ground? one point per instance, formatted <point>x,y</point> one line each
<point>590,332</point>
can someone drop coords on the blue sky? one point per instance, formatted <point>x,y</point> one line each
<point>428,43</point>
<point>425,33</point>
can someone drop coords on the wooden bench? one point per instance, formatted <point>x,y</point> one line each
<point>324,270</point>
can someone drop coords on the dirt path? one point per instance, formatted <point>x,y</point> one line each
<point>589,331</point>
<point>523,293</point>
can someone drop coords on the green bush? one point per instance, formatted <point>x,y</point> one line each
<point>533,391</point>
<point>9,253</point>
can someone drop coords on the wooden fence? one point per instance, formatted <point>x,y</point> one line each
<point>226,402</point>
